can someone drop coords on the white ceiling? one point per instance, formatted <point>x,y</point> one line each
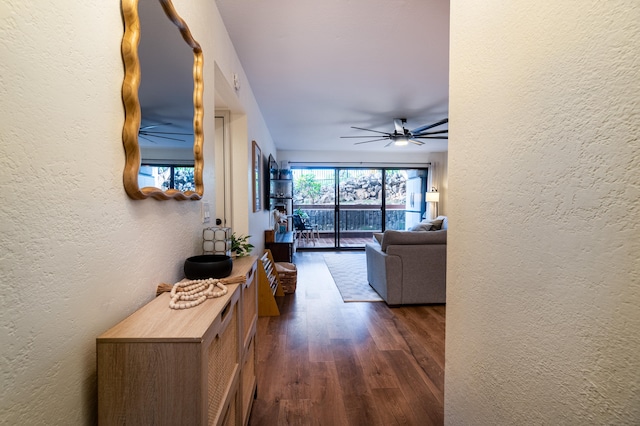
<point>317,68</point>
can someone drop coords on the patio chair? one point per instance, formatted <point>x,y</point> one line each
<point>305,230</point>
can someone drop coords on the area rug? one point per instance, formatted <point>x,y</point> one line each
<point>349,272</point>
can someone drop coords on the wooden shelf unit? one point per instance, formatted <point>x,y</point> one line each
<point>281,198</point>
<point>282,247</point>
<point>268,286</point>
<point>194,366</point>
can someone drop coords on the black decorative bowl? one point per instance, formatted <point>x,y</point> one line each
<point>208,266</point>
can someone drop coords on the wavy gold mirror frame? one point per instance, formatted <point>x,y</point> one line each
<point>130,87</point>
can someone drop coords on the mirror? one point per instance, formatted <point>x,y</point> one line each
<point>162,94</point>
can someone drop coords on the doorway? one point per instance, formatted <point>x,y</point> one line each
<point>222,167</point>
<point>348,205</point>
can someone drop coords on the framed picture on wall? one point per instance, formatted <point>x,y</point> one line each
<point>257,167</point>
<point>273,167</point>
<point>266,176</point>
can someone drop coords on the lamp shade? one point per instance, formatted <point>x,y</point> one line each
<point>432,197</point>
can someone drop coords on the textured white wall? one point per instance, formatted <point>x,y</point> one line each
<point>247,125</point>
<point>543,291</point>
<point>76,254</point>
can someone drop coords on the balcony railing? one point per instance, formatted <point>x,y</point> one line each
<point>354,219</point>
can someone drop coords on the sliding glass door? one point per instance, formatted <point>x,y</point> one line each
<point>347,205</point>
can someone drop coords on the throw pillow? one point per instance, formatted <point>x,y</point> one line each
<point>422,226</point>
<point>378,237</point>
<point>445,222</point>
<point>437,224</point>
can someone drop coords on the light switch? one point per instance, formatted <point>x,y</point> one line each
<point>206,214</point>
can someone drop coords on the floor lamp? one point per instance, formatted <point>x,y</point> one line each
<point>433,197</point>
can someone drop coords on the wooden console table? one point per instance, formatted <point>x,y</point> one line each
<point>282,247</point>
<point>193,366</point>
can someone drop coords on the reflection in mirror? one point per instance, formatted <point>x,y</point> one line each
<point>162,92</point>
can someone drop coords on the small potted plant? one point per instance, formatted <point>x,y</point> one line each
<point>240,245</point>
<point>275,173</point>
<point>285,174</point>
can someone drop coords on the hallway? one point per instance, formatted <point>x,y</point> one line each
<point>326,362</point>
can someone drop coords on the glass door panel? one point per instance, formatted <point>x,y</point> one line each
<point>404,198</point>
<point>359,206</point>
<point>314,197</point>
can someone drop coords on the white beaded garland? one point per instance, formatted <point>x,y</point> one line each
<point>194,292</point>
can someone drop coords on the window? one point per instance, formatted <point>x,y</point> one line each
<point>167,177</point>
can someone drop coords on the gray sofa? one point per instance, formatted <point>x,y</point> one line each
<point>409,267</point>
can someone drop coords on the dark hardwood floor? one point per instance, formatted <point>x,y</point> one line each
<point>326,362</point>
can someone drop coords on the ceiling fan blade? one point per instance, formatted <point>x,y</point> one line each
<point>347,137</point>
<point>161,137</point>
<point>439,132</point>
<point>388,144</point>
<point>416,142</point>
<point>145,132</point>
<point>151,126</point>
<point>398,123</point>
<point>147,139</point>
<point>431,137</point>
<point>429,126</point>
<point>374,140</point>
<point>369,130</point>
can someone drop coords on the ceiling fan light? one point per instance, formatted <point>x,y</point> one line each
<point>401,141</point>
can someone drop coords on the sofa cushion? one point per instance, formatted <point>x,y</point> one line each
<point>412,238</point>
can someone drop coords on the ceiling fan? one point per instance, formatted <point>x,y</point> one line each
<point>402,136</point>
<point>147,133</point>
